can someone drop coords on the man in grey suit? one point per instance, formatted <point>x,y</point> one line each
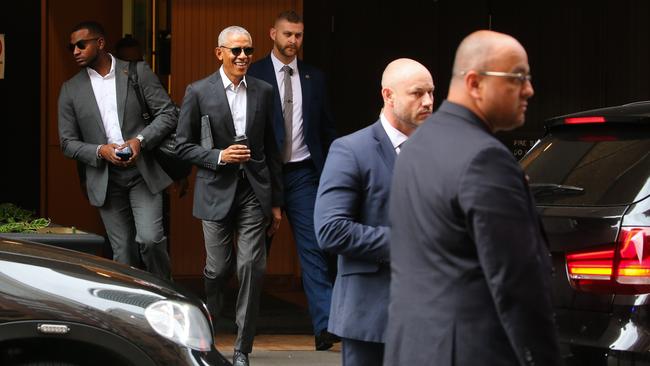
<point>470,266</point>
<point>238,189</point>
<point>99,118</point>
<point>351,212</point>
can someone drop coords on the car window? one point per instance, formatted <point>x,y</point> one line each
<point>590,166</point>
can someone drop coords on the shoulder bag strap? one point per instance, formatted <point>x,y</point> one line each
<point>133,78</point>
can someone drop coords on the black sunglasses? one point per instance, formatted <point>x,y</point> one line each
<point>82,44</point>
<point>237,50</point>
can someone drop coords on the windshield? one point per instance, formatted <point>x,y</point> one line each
<point>590,167</point>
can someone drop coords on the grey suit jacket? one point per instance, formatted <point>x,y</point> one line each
<point>215,185</point>
<point>351,220</point>
<point>81,128</point>
<point>470,268</point>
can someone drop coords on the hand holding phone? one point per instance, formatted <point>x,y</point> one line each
<point>241,140</point>
<point>124,154</point>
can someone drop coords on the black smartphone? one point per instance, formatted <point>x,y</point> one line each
<point>241,140</point>
<point>124,154</point>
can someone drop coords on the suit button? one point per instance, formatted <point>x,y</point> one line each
<point>528,357</point>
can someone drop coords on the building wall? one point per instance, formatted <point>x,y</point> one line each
<point>582,55</point>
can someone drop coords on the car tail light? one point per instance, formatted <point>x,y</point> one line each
<point>621,268</point>
<point>583,120</point>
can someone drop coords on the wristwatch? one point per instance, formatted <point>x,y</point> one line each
<point>141,139</point>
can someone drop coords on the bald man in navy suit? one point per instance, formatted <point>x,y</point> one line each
<point>351,213</point>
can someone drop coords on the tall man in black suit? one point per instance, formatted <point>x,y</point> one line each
<point>238,189</point>
<point>351,212</point>
<point>470,266</point>
<point>304,130</point>
<point>99,116</point>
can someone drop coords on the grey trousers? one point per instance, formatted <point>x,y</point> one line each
<point>133,219</point>
<point>245,226</point>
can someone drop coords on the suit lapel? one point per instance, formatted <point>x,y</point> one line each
<point>305,85</point>
<point>222,101</point>
<point>268,73</point>
<point>87,97</point>
<point>121,85</point>
<point>251,99</point>
<point>384,146</point>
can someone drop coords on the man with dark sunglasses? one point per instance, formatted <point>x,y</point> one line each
<point>304,129</point>
<point>238,188</point>
<point>101,127</point>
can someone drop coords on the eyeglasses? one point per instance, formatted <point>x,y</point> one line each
<point>82,44</point>
<point>519,76</point>
<point>237,50</point>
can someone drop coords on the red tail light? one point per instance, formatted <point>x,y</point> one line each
<point>623,268</point>
<point>583,120</point>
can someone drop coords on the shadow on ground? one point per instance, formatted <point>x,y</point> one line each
<point>277,316</point>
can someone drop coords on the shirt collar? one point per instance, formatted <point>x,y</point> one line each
<point>111,72</point>
<point>396,136</point>
<point>277,64</point>
<point>226,81</point>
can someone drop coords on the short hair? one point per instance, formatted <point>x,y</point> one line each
<point>290,16</point>
<point>233,29</point>
<point>92,26</point>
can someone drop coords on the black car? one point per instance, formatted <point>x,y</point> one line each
<point>60,307</point>
<point>590,175</point>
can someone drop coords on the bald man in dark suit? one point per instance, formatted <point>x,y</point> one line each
<point>470,266</point>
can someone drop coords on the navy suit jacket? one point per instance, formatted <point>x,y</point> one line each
<point>351,220</point>
<point>470,268</point>
<point>318,124</point>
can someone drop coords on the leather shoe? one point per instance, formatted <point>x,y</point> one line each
<point>325,340</point>
<point>240,359</point>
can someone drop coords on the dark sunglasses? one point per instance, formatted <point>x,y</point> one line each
<point>237,50</point>
<point>82,44</point>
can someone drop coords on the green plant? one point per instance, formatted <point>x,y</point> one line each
<point>14,219</point>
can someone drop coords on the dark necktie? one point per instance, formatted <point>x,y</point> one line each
<point>287,112</point>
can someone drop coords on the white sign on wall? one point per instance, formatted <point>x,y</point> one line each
<point>2,56</point>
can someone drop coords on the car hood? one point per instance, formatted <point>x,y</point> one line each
<point>39,281</point>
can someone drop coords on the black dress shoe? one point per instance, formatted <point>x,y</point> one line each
<point>325,340</point>
<point>240,359</point>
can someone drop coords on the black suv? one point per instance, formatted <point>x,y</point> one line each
<point>590,175</point>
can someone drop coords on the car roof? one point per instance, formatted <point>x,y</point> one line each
<point>637,112</point>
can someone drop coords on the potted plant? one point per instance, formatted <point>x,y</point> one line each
<point>18,223</point>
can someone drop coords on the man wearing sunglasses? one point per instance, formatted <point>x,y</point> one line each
<point>101,126</point>
<point>238,188</point>
<point>304,130</point>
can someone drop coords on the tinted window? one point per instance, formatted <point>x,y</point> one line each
<point>589,166</point>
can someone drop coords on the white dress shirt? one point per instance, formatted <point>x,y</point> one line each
<point>236,95</point>
<point>106,97</point>
<point>299,149</point>
<point>396,136</point>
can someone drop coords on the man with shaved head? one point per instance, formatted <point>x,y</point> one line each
<point>470,268</point>
<point>351,212</point>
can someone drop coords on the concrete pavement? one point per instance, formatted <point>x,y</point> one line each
<point>283,350</point>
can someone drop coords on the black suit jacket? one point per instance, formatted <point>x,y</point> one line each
<point>318,125</point>
<point>470,269</point>
<point>214,189</point>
